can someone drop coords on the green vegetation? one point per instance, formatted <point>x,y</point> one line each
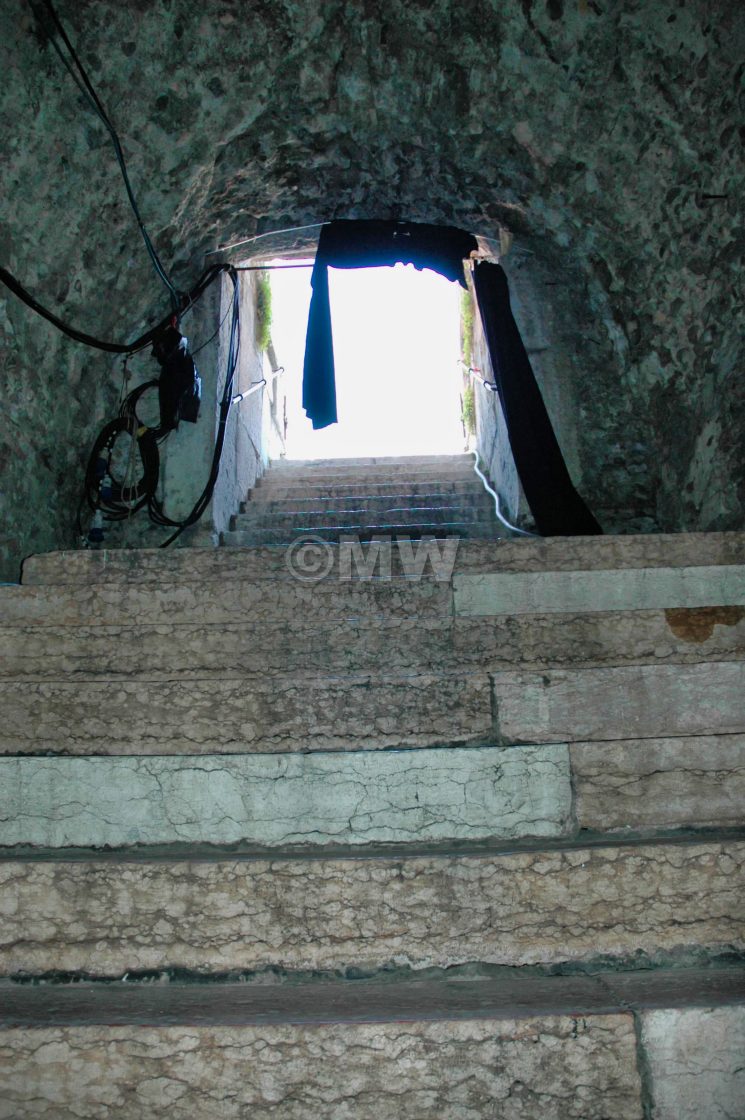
<point>263,310</point>
<point>466,326</point>
<point>468,410</point>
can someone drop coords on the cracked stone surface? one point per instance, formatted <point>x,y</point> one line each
<point>660,783</point>
<point>608,590</point>
<point>624,702</point>
<point>599,638</point>
<point>349,646</point>
<point>212,603</point>
<point>352,798</point>
<point>522,908</point>
<point>554,553</point>
<point>244,715</point>
<point>546,1068</point>
<point>696,1062</point>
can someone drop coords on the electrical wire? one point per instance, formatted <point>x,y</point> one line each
<point>119,498</point>
<point>214,334</point>
<point>77,71</point>
<point>261,236</point>
<point>497,506</point>
<point>225,404</point>
<point>187,301</point>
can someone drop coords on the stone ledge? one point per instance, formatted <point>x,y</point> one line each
<point>542,1068</point>
<point>620,589</point>
<point>660,783</point>
<point>670,550</point>
<point>351,798</point>
<point>250,602</point>
<point>510,996</point>
<point>541,907</point>
<point>263,714</point>
<point>622,702</point>
<point>696,1062</point>
<point>349,646</point>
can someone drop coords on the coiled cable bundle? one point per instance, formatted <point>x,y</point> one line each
<point>117,485</point>
<point>115,492</point>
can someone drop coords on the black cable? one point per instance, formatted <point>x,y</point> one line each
<point>225,404</point>
<point>140,343</point>
<point>84,84</point>
<point>213,335</point>
<point>102,489</point>
<point>117,498</point>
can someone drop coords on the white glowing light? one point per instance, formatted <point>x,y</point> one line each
<point>396,346</point>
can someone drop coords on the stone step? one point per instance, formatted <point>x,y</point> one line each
<point>553,554</point>
<point>309,492</point>
<point>400,474</point>
<point>382,517</point>
<point>410,1069</point>
<point>719,589</point>
<point>259,715</point>
<point>272,801</point>
<point>252,602</point>
<point>372,711</point>
<point>349,798</point>
<point>658,784</point>
<point>238,1058</point>
<point>286,532</point>
<point>383,644</point>
<point>548,907</point>
<point>382,508</point>
<point>623,702</point>
<point>312,466</point>
<point>494,593</point>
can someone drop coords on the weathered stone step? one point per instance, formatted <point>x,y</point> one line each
<point>494,593</point>
<point>360,797</point>
<point>257,714</point>
<point>383,519</point>
<point>234,1066</point>
<point>553,554</point>
<point>717,587</point>
<point>110,917</point>
<point>357,515</point>
<point>668,783</point>
<point>624,702</point>
<point>253,602</point>
<point>371,711</point>
<point>384,644</point>
<point>401,474</point>
<point>285,532</point>
<point>378,507</point>
<point>509,995</point>
<point>310,492</point>
<point>422,1070</point>
<point>314,466</point>
<point>353,798</point>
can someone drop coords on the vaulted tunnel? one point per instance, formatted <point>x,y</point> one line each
<point>605,140</point>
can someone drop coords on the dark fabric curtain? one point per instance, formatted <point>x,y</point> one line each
<point>367,244</point>
<point>555,504</point>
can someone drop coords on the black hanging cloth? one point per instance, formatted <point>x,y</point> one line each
<point>367,244</point>
<point>555,504</point>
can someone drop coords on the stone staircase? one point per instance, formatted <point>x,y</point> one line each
<point>457,833</point>
<point>424,495</point>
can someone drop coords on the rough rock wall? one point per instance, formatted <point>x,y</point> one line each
<point>604,137</point>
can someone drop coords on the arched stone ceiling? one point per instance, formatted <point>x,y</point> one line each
<point>606,137</point>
